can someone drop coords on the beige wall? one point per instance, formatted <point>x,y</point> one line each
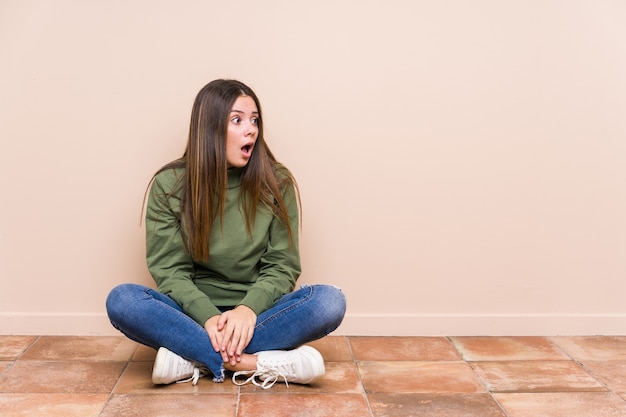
<point>462,163</point>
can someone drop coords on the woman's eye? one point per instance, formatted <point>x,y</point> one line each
<point>255,121</point>
<point>236,119</point>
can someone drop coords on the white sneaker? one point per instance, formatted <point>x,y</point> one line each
<point>169,367</point>
<point>301,366</point>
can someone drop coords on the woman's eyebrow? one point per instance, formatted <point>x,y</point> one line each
<point>242,112</point>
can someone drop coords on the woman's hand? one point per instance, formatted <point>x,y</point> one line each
<point>231,332</point>
<point>211,326</point>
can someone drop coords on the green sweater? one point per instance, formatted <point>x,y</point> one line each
<point>254,271</point>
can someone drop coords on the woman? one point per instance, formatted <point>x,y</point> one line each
<point>222,246</point>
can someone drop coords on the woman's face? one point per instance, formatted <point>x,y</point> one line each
<point>242,132</point>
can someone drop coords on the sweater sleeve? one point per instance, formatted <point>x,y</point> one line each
<point>168,260</point>
<point>280,264</point>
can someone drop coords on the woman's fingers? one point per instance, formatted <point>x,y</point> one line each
<point>231,332</point>
<point>243,342</point>
<point>223,319</point>
<point>214,335</point>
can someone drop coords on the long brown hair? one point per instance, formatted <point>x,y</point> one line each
<point>203,185</point>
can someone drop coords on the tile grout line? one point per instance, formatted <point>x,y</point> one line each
<point>483,383</point>
<point>582,365</point>
<point>238,401</point>
<point>119,378</point>
<point>358,372</point>
<point>18,357</point>
<point>468,363</point>
<point>563,351</point>
<point>117,382</point>
<point>28,348</point>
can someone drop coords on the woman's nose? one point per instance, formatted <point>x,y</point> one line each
<point>251,129</point>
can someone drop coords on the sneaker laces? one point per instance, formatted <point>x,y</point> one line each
<point>193,378</point>
<point>270,375</point>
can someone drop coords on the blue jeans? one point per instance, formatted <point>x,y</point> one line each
<point>153,319</point>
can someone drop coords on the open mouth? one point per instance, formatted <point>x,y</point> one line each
<point>247,149</point>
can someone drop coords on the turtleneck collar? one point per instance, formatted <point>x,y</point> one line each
<point>234,177</point>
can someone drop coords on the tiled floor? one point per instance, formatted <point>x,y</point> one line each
<point>365,376</point>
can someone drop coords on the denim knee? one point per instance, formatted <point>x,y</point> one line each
<point>120,298</point>
<point>333,303</point>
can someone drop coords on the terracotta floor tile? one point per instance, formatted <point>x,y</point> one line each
<point>419,377</point>
<point>170,405</point>
<point>507,348</point>
<point>303,405</point>
<point>92,348</point>
<point>535,376</point>
<point>61,377</point>
<point>12,347</point>
<point>137,379</point>
<point>403,349</point>
<point>612,373</point>
<point>333,348</point>
<point>340,378</point>
<point>571,404</point>
<point>434,405</point>
<point>4,365</point>
<point>594,348</point>
<point>144,354</point>
<point>52,405</point>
